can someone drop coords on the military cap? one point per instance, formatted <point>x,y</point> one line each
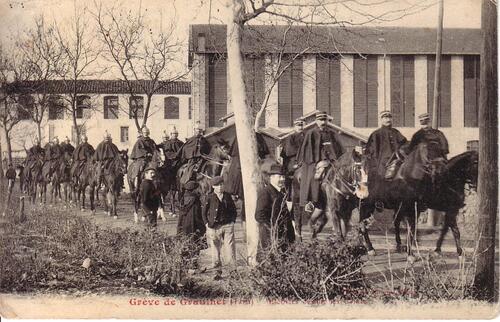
<point>321,115</point>
<point>424,116</point>
<point>385,113</point>
<point>216,181</point>
<point>150,168</point>
<point>298,122</point>
<point>197,126</point>
<point>191,185</point>
<point>174,130</point>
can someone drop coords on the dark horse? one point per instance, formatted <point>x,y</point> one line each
<point>113,182</point>
<point>86,178</point>
<point>404,193</point>
<point>460,170</point>
<point>342,183</point>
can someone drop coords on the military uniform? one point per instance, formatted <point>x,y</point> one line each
<point>67,149</point>
<point>430,136</point>
<point>191,152</point>
<point>82,153</point>
<point>105,152</point>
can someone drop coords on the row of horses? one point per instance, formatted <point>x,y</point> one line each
<point>344,185</point>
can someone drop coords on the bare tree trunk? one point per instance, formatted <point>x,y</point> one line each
<point>8,143</point>
<point>1,167</point>
<point>146,111</point>
<point>39,129</point>
<point>484,279</point>
<point>243,117</point>
<point>75,125</point>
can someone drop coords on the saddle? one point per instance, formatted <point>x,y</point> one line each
<point>320,169</point>
<point>392,166</point>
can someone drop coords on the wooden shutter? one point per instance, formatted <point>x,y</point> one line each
<point>217,101</point>
<point>471,91</point>
<point>285,99</point>
<point>444,108</point>
<point>171,107</point>
<point>397,90</point>
<point>360,99</point>
<point>334,71</point>
<point>409,91</point>
<point>297,90</point>
<point>372,91</point>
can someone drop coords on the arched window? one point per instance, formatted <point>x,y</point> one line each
<point>171,109</point>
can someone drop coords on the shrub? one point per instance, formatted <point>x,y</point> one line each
<point>315,270</point>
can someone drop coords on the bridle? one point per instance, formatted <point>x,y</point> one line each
<point>351,187</point>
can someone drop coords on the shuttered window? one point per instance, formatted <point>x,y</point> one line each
<point>136,107</point>
<point>217,96</point>
<point>56,107</point>
<point>26,107</point>
<point>328,85</point>
<point>82,103</point>
<point>290,93</point>
<point>171,108</point>
<point>110,107</point>
<point>444,106</point>
<point>190,108</point>
<point>471,91</point>
<point>254,84</point>
<point>365,91</point>
<point>403,91</point>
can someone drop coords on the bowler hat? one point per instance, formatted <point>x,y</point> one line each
<point>385,114</point>
<point>216,181</point>
<point>273,168</point>
<point>191,185</point>
<point>150,168</point>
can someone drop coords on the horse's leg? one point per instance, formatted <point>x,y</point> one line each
<point>397,230</point>
<point>91,197</point>
<point>106,201</point>
<point>365,212</point>
<point>451,217</point>
<point>297,215</point>
<point>412,235</point>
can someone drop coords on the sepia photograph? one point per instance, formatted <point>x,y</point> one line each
<point>366,186</point>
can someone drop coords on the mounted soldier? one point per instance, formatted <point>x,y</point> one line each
<point>172,146</point>
<point>429,136</point>
<point>105,152</point>
<point>67,148</point>
<point>83,152</point>
<point>319,149</point>
<point>53,153</point>
<point>383,150</point>
<point>192,153</point>
<point>36,152</point>
<point>143,150</point>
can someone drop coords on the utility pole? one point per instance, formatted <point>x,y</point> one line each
<point>432,215</point>
<point>484,279</point>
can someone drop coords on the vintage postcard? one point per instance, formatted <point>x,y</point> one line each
<point>248,159</point>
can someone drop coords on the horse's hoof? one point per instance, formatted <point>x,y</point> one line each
<point>437,253</point>
<point>108,213</point>
<point>136,218</point>
<point>143,218</point>
<point>398,249</point>
<point>93,212</point>
<point>372,252</point>
<point>115,217</point>
<point>411,259</point>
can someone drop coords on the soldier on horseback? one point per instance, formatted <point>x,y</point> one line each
<point>53,153</point>
<point>83,152</point>
<point>383,150</point>
<point>67,148</point>
<point>105,152</point>
<point>429,135</point>
<point>172,145</point>
<point>319,148</point>
<point>36,152</point>
<point>143,150</point>
<point>192,152</point>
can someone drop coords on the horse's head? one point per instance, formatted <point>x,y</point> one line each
<point>432,158</point>
<point>121,162</point>
<point>348,175</point>
<point>465,166</point>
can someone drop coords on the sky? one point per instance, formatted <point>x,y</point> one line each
<point>16,16</point>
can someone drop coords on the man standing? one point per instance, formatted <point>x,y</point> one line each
<point>83,152</point>
<point>219,216</point>
<point>430,136</point>
<point>383,144</point>
<point>320,144</point>
<point>105,152</point>
<point>291,146</point>
<point>192,152</point>
<point>272,213</point>
<point>150,197</point>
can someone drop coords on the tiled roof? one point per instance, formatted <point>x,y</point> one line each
<point>100,87</point>
<point>348,40</point>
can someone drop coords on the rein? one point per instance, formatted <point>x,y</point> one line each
<point>351,187</point>
<point>211,160</point>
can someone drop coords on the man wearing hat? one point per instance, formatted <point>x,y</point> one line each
<point>105,152</point>
<point>383,144</point>
<point>219,216</point>
<point>272,213</point>
<point>150,196</point>
<point>320,144</point>
<point>83,152</point>
<point>143,149</point>
<point>291,146</point>
<point>67,148</point>
<point>192,151</point>
<point>428,135</point>
<point>36,152</point>
<point>52,154</point>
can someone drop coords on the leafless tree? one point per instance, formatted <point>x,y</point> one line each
<point>42,56</point>
<point>144,56</point>
<point>80,52</point>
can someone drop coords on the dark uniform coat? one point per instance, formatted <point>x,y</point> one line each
<point>35,151</point>
<point>271,212</point>
<point>52,152</point>
<point>318,145</point>
<point>190,217</point>
<point>381,145</point>
<point>83,152</point>
<point>194,147</point>
<point>67,148</point>
<point>106,150</point>
<point>291,146</point>
<point>142,147</point>
<point>172,145</point>
<point>429,135</point>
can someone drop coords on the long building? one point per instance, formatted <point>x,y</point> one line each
<point>104,105</point>
<point>351,73</point>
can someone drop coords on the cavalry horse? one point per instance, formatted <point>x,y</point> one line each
<point>86,178</point>
<point>113,182</point>
<point>404,193</point>
<point>53,172</point>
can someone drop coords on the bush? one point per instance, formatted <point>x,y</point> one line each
<point>316,270</point>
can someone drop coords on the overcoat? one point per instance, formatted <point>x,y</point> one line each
<point>190,218</point>
<point>106,150</point>
<point>429,135</point>
<point>142,147</point>
<point>291,146</point>
<point>381,144</point>
<point>83,152</point>
<point>195,147</point>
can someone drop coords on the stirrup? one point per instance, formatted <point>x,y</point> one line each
<point>309,207</point>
